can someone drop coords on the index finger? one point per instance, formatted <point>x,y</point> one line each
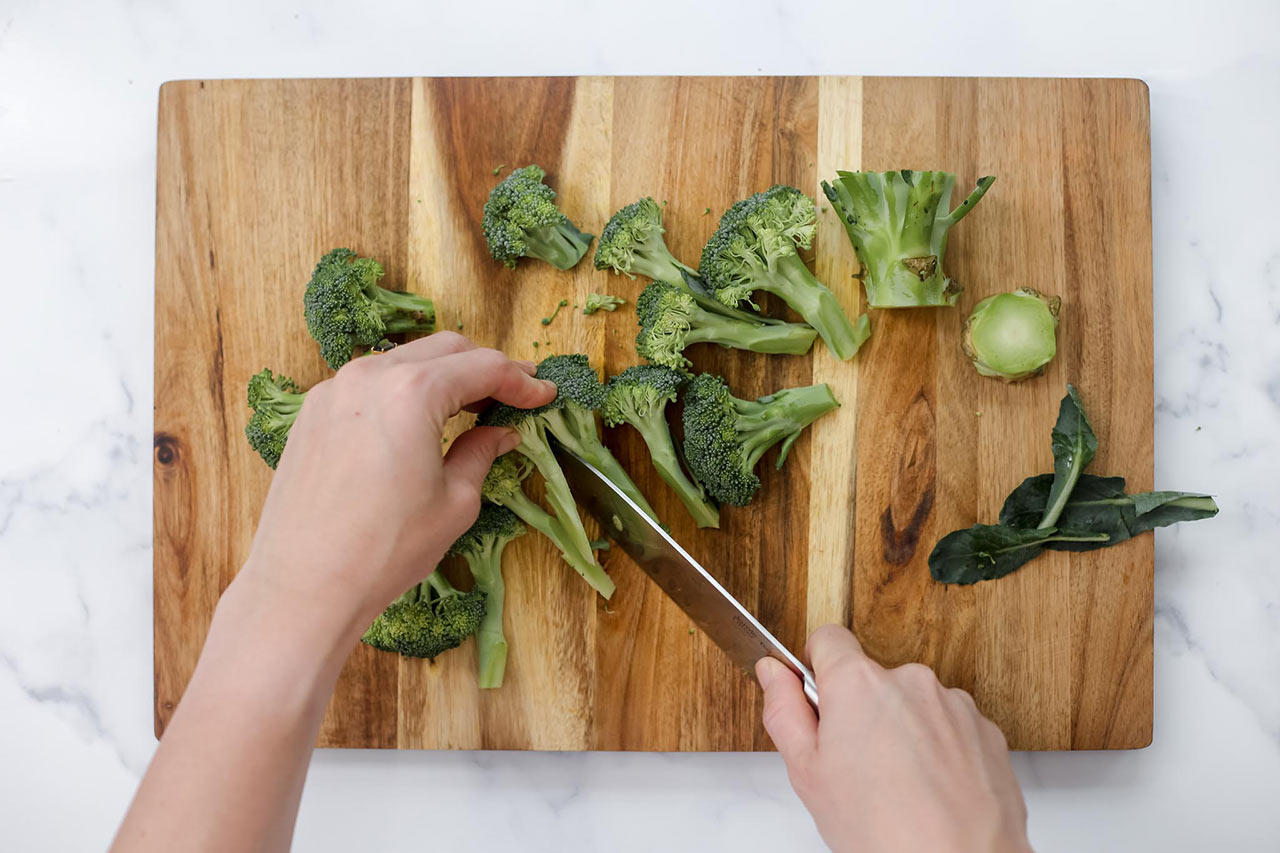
<point>457,380</point>
<point>831,647</point>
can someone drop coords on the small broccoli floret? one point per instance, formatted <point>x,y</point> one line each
<point>276,401</point>
<point>724,437</point>
<point>347,310</point>
<point>602,302</point>
<point>898,224</point>
<point>482,546</point>
<point>521,220</point>
<point>755,248</point>
<point>639,396</point>
<point>670,321</point>
<point>429,619</point>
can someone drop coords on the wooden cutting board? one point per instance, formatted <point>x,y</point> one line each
<point>257,178</point>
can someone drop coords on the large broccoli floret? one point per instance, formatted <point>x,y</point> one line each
<point>521,220</point>
<point>276,401</point>
<point>671,321</point>
<point>639,396</point>
<point>898,223</point>
<point>755,248</point>
<point>724,437</point>
<point>632,245</point>
<point>347,310</point>
<point>430,618</point>
<point>482,546</point>
<point>502,486</point>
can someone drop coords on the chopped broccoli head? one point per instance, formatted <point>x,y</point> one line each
<point>276,401</point>
<point>724,437</point>
<point>898,223</point>
<point>671,320</point>
<point>639,396</point>
<point>602,302</point>
<point>429,619</point>
<point>1011,335</point>
<point>755,247</point>
<point>347,310</point>
<point>521,220</point>
<point>482,546</point>
<point>632,245</point>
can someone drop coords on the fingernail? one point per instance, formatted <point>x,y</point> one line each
<point>766,671</point>
<point>551,386</point>
<point>510,441</point>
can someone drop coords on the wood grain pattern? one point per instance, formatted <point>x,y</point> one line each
<point>257,178</point>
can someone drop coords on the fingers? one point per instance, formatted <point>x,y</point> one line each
<point>787,716</point>
<point>472,453</point>
<point>480,405</point>
<point>455,381</point>
<point>424,349</point>
<point>832,647</point>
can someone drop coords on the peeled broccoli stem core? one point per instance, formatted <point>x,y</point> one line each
<point>788,278</point>
<point>779,417</point>
<point>657,436</point>
<point>561,245</point>
<point>491,642</point>
<point>575,428</point>
<point>781,338</point>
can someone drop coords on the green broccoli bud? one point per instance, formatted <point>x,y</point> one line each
<point>602,302</point>
<point>1011,335</point>
<point>276,401</point>
<point>521,220</point>
<point>431,618</point>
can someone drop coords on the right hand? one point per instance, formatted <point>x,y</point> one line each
<point>897,762</point>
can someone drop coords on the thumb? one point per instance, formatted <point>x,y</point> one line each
<point>472,453</point>
<point>787,716</point>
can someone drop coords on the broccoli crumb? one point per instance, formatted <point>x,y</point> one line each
<point>977,414</point>
<point>536,344</point>
<point>617,523</point>
<point>602,301</point>
<point>459,325</point>
<point>706,211</point>
<point>498,168</point>
<point>546,321</point>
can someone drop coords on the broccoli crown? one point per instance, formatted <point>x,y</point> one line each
<point>665,313</point>
<point>640,392</point>
<point>521,220</point>
<point>276,401</point>
<point>345,308</point>
<point>504,478</point>
<point>752,235</point>
<point>494,524</point>
<point>576,382</point>
<point>630,229</point>
<point>425,622</point>
<point>602,302</point>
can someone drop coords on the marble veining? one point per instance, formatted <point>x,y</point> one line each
<point>78,87</point>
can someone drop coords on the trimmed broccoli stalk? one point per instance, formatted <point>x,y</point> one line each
<point>521,220</point>
<point>502,486</point>
<point>670,321</point>
<point>347,310</point>
<point>632,245</point>
<point>755,248</point>
<point>1011,335</point>
<point>898,223</point>
<point>724,437</point>
<point>639,396</point>
<point>276,401</point>
<point>429,619</point>
<point>602,302</point>
<point>482,546</point>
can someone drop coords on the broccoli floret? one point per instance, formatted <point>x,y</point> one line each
<point>898,223</point>
<point>670,321</point>
<point>602,302</point>
<point>521,220</point>
<point>347,310</point>
<point>724,437</point>
<point>632,245</point>
<point>502,486</point>
<point>755,248</point>
<point>276,401</point>
<point>639,396</point>
<point>482,546</point>
<point>429,619</point>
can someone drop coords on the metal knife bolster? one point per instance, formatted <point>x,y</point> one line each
<point>682,578</point>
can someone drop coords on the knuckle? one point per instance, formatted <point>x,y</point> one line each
<point>490,359</point>
<point>451,341</point>
<point>916,674</point>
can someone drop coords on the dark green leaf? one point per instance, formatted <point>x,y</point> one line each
<point>1160,509</point>
<point>989,551</point>
<point>1074,446</point>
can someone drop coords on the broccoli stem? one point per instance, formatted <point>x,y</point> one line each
<point>780,417</point>
<point>659,264</point>
<point>440,584</point>
<point>790,280</point>
<point>561,245</point>
<point>575,428</point>
<point>491,642</point>
<point>562,536</point>
<point>783,339</point>
<point>657,436</point>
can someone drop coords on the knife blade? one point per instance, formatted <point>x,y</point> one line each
<point>704,599</point>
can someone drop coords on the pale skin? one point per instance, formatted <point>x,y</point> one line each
<point>898,762</point>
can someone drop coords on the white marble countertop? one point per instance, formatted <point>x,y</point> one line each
<point>78,86</point>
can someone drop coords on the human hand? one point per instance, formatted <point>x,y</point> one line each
<point>364,503</point>
<point>897,761</point>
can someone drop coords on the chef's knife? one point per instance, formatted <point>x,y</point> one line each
<point>688,584</point>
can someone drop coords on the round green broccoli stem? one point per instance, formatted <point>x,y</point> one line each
<point>561,245</point>
<point>778,339</point>
<point>791,281</point>
<point>491,642</point>
<point>575,428</point>
<point>657,436</point>
<point>561,535</point>
<point>780,417</point>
